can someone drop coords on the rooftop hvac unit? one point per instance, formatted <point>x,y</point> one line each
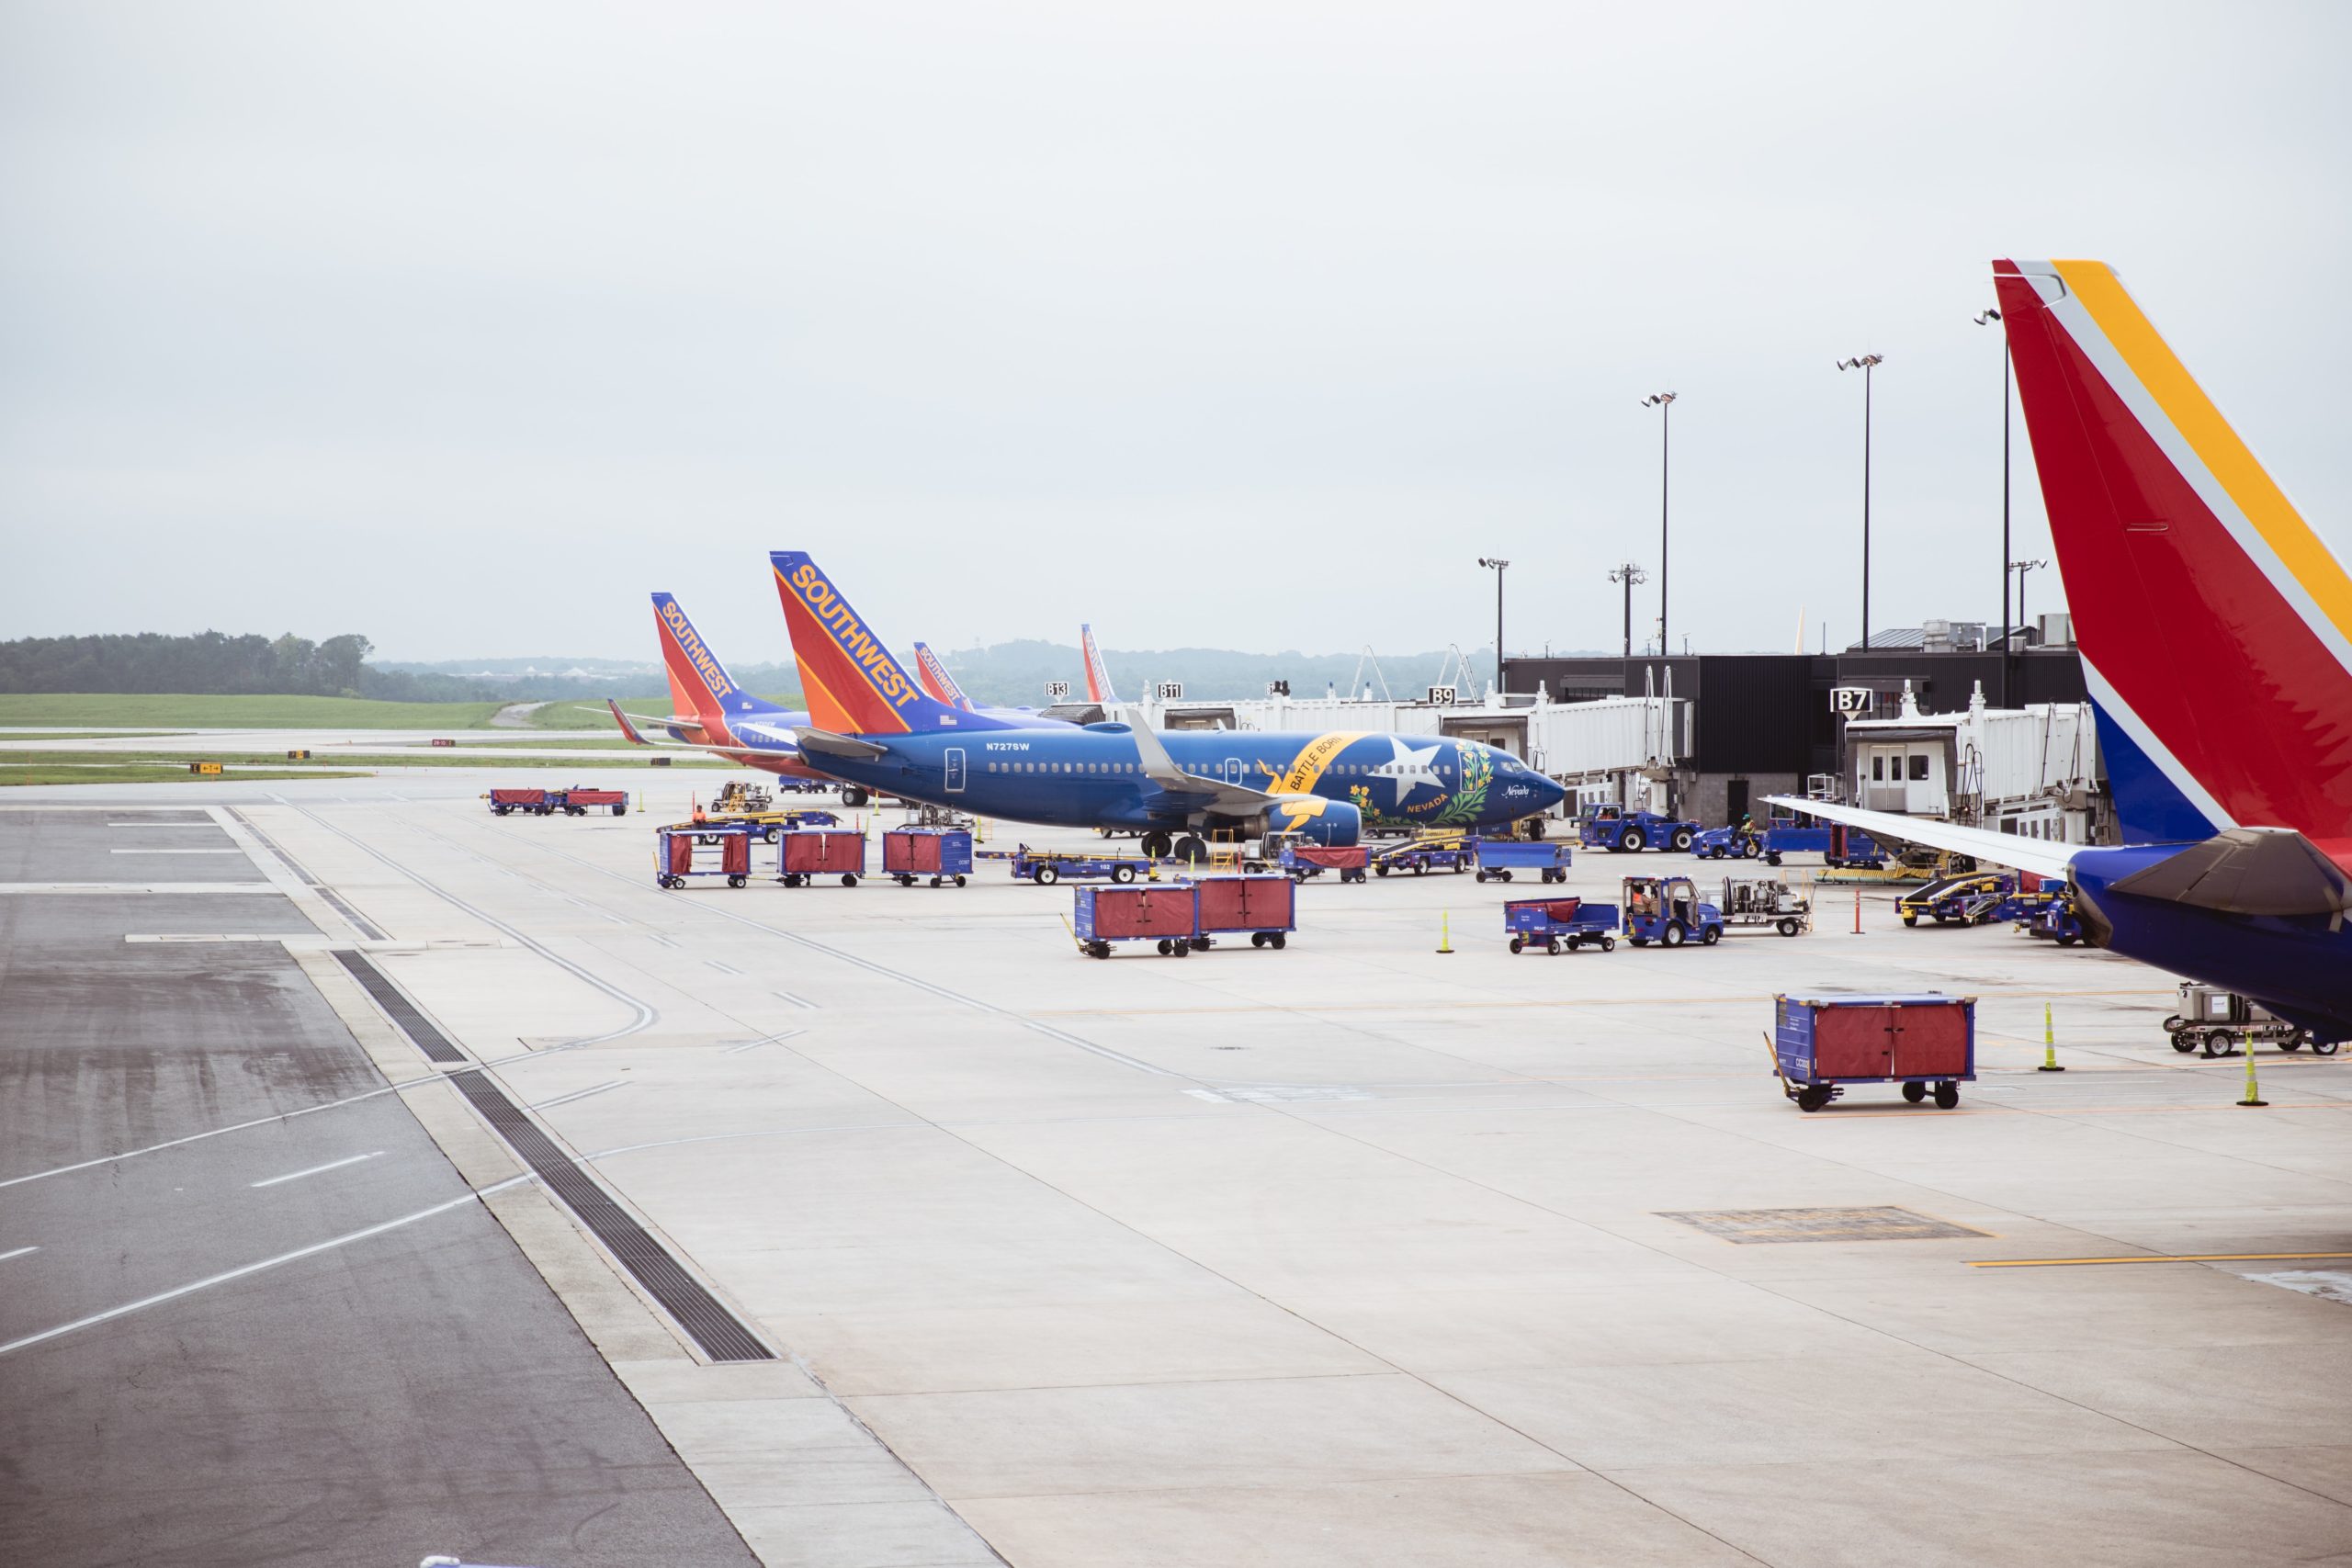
<point>2057,630</point>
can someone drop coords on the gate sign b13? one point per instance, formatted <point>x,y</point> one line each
<point>1057,690</point>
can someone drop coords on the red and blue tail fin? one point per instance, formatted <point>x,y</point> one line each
<point>1098,675</point>
<point>937,680</point>
<point>853,685</point>
<point>699,684</point>
<point>2215,627</point>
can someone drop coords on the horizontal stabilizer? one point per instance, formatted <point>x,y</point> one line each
<point>2038,856</point>
<point>2248,870</point>
<point>825,743</point>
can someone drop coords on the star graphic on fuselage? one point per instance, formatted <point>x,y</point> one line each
<point>1408,768</point>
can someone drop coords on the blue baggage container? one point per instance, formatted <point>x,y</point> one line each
<point>1168,913</point>
<point>1926,1043</point>
<point>1497,858</point>
<point>942,855</point>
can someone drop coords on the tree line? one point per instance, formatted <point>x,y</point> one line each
<point>214,663</point>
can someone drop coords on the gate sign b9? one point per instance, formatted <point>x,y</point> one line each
<point>1851,700</point>
<point>1443,696</point>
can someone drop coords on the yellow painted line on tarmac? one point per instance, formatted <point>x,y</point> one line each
<point>2174,1257</point>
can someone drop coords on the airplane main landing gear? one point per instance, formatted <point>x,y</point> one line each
<point>1190,850</point>
<point>1154,845</point>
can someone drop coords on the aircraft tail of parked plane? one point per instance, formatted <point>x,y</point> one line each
<point>700,686</point>
<point>708,709</point>
<point>2215,627</point>
<point>2216,638</point>
<point>854,684</point>
<point>1098,674</point>
<point>937,680</point>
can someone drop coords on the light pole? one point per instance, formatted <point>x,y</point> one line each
<point>1629,574</point>
<point>1987,319</point>
<point>1663,403</point>
<point>1499,567</point>
<point>1865,364</point>
<point>2020,568</point>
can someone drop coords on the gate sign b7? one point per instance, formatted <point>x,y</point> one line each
<point>1850,701</point>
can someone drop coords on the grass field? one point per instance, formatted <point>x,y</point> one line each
<point>74,773</point>
<point>141,709</point>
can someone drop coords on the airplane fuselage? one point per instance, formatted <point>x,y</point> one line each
<point>1095,776</point>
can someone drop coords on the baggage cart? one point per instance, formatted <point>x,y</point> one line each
<point>2049,914</point>
<point>1167,914</point>
<point>505,802</point>
<point>803,854</point>
<point>579,802</point>
<point>1973,898</point>
<point>1497,858</point>
<point>939,854</point>
<point>1667,910</point>
<point>1739,841</point>
<point>1302,860</point>
<point>1823,1044</point>
<point>1765,901</point>
<point>1423,855</point>
<point>688,850</point>
<point>1559,923</point>
<point>1045,867</point>
<point>2222,1021</point>
<point>1264,904</point>
<point>1835,843</point>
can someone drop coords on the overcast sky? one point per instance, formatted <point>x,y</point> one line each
<point>465,325</point>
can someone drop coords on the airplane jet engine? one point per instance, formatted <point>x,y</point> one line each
<point>1313,818</point>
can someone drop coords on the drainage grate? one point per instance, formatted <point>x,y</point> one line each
<point>404,1013</point>
<point>720,1333</point>
<point>1750,1226</point>
<point>359,922</point>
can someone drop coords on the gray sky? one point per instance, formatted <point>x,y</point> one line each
<point>466,325</point>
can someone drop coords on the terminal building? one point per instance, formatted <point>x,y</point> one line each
<point>1925,721</point>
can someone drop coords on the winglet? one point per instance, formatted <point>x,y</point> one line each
<point>628,730</point>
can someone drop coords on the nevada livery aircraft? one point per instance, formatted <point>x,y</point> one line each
<point>708,711</point>
<point>871,723</point>
<point>2216,638</point>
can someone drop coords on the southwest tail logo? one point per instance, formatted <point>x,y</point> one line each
<point>852,683</point>
<point>937,680</point>
<point>2215,627</point>
<point>1098,675</point>
<point>699,683</point>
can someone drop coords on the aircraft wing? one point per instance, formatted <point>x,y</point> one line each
<point>629,721</point>
<point>2039,856</point>
<point>1161,770</point>
<point>825,743</point>
<point>778,732</point>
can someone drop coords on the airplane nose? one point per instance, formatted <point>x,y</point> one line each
<point>1549,793</point>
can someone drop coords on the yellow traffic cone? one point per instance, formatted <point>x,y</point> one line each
<point>1446,931</point>
<point>2049,1045</point>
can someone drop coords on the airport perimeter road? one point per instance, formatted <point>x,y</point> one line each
<point>420,1390</point>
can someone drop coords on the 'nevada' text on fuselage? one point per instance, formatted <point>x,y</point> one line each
<point>1095,776</point>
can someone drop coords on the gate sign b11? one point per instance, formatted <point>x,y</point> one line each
<point>1850,701</point>
<point>1170,690</point>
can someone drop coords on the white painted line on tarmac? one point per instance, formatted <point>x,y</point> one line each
<point>18,1253</point>
<point>331,1165</point>
<point>722,968</point>
<point>299,1253</point>
<point>796,1001</point>
<point>763,1040</point>
<point>579,1094</point>
<point>232,851</point>
<point>207,824</point>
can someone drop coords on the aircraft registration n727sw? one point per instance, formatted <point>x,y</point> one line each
<point>873,724</point>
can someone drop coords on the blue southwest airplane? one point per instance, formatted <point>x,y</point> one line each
<point>2216,638</point>
<point>874,724</point>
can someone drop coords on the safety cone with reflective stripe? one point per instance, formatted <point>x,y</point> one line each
<point>1446,931</point>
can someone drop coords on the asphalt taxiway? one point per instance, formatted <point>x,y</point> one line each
<point>1356,1251</point>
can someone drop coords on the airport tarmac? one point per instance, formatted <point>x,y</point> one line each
<point>1354,1252</point>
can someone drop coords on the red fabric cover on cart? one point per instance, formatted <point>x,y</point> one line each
<point>813,850</point>
<point>682,852</point>
<point>517,796</point>
<point>595,796</point>
<point>1142,911</point>
<point>1348,857</point>
<point>1931,1042</point>
<point>1853,1042</point>
<point>735,854</point>
<point>910,852</point>
<point>1245,903</point>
